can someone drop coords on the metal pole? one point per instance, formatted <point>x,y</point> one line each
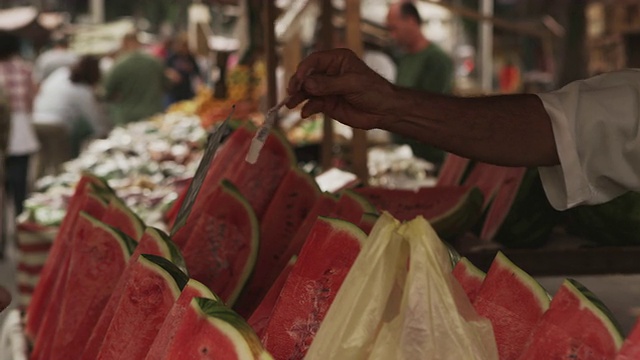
<point>485,42</point>
<point>96,8</point>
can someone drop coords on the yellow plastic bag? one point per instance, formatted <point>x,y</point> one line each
<point>400,301</point>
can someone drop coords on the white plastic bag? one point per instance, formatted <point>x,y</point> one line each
<point>400,301</point>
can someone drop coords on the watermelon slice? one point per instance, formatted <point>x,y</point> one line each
<point>452,170</point>
<point>323,207</point>
<point>469,276</point>
<point>258,182</point>
<point>167,332</point>
<point>210,330</point>
<point>325,260</point>
<point>154,286</point>
<point>488,178</point>
<point>260,317</point>
<point>291,203</point>
<point>514,302</point>
<point>351,206</point>
<point>576,326</point>
<point>631,347</point>
<point>122,218</point>
<point>94,268</point>
<point>235,146</point>
<point>153,242</point>
<point>520,215</point>
<point>450,210</point>
<point>40,297</point>
<point>221,252</point>
<point>96,206</point>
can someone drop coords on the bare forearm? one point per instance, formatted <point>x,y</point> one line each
<point>510,130</point>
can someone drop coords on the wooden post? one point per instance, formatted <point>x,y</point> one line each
<point>269,16</point>
<point>326,155</point>
<point>354,41</point>
<point>291,57</point>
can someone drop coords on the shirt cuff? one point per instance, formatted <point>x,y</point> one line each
<point>566,185</point>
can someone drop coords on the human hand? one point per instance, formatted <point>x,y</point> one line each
<point>338,83</point>
<point>173,75</point>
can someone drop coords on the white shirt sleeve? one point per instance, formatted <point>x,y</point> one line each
<point>596,125</point>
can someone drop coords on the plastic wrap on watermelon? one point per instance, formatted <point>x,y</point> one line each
<point>386,310</point>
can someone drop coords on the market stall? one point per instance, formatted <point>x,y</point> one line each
<point>273,260</point>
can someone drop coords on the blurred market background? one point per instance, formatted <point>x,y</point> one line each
<point>245,51</point>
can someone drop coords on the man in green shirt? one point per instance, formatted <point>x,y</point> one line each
<point>423,65</point>
<point>134,87</point>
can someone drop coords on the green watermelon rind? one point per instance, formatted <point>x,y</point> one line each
<point>170,248</point>
<point>127,244</point>
<point>346,227</point>
<point>124,209</point>
<point>231,324</point>
<point>531,217</point>
<point>367,206</point>
<point>254,225</point>
<point>462,216</point>
<point>472,270</point>
<point>177,276</point>
<point>590,301</point>
<point>543,297</point>
<point>203,290</point>
<point>301,174</point>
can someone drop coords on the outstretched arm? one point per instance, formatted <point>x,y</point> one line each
<point>510,130</point>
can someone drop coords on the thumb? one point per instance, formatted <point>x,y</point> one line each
<point>323,85</point>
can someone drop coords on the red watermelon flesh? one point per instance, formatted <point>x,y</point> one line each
<point>222,249</point>
<point>325,260</point>
<point>258,182</point>
<point>210,330</point>
<point>488,178</point>
<point>95,266</point>
<point>222,165</point>
<point>451,210</point>
<point>260,317</point>
<point>39,299</point>
<point>469,276</point>
<point>153,242</point>
<point>576,326</point>
<point>154,286</point>
<point>323,207</point>
<point>122,218</point>
<point>452,170</point>
<point>513,302</point>
<point>172,213</point>
<point>167,332</point>
<point>290,205</point>
<point>502,202</point>
<point>351,206</point>
<point>631,347</point>
<point>94,206</point>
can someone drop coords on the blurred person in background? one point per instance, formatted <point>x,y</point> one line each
<point>66,104</point>
<point>58,56</point>
<point>423,65</point>
<point>135,84</point>
<point>16,78</point>
<point>182,70</point>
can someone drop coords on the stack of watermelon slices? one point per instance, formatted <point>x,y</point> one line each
<point>528,325</point>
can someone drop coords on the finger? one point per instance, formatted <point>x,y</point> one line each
<point>323,62</point>
<point>295,99</point>
<point>313,106</point>
<point>322,85</point>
